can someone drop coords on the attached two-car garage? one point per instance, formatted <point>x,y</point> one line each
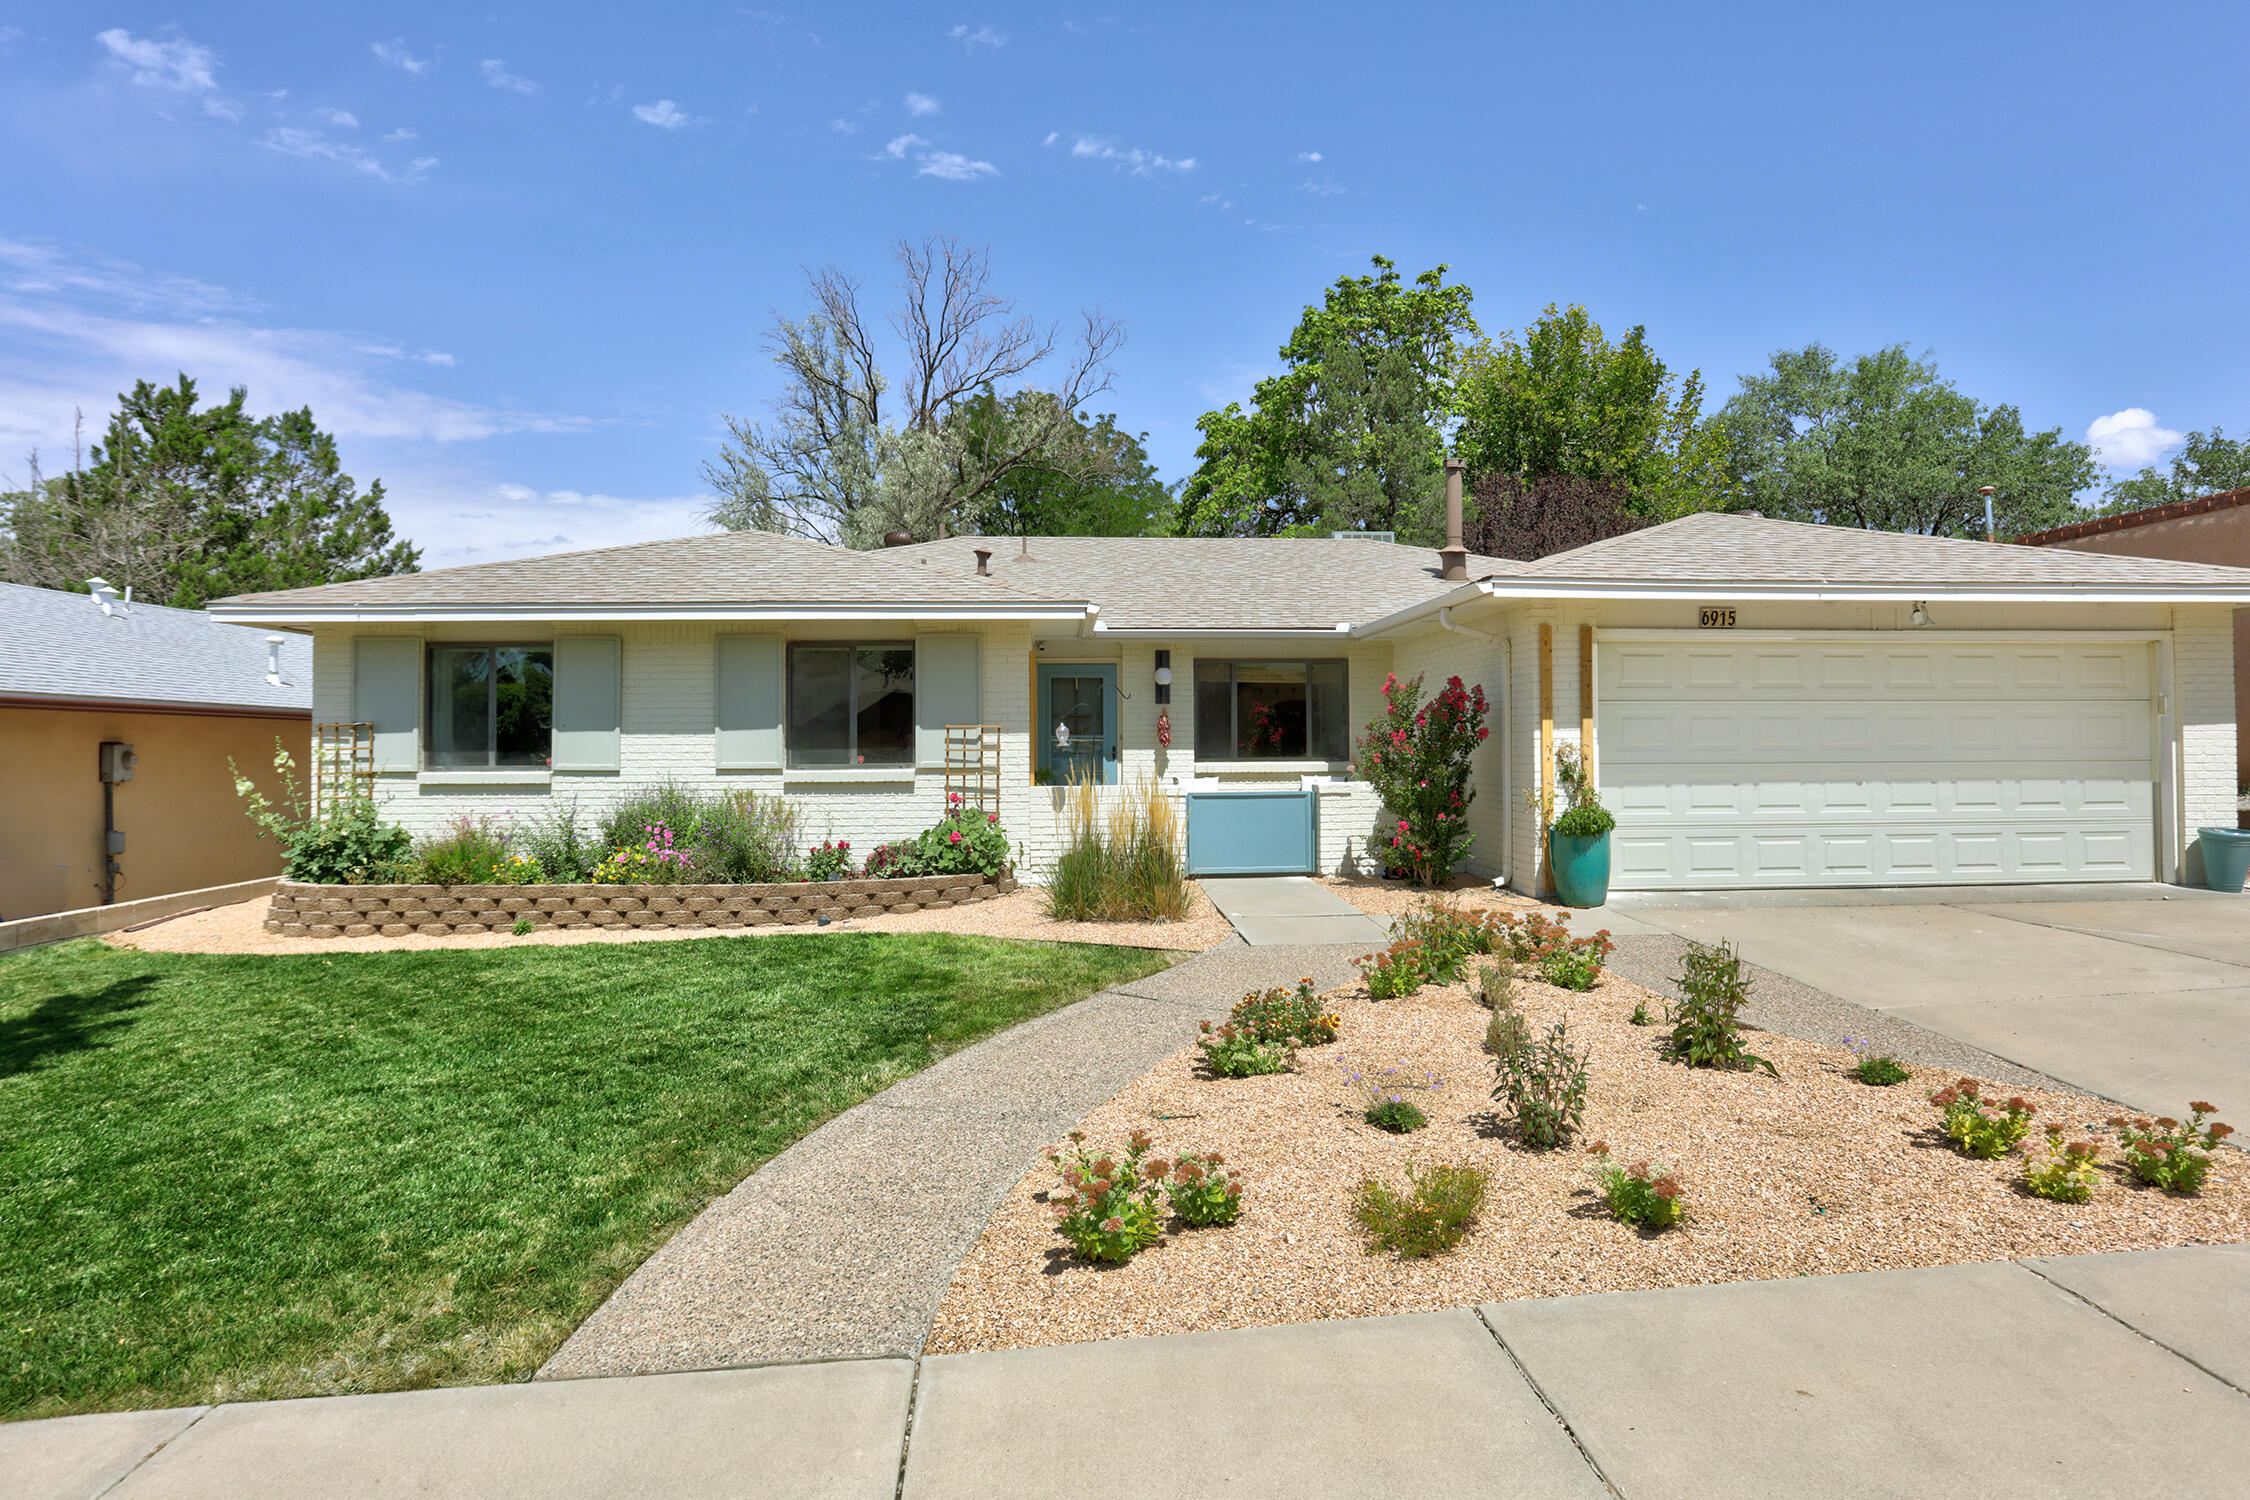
<point>1867,759</point>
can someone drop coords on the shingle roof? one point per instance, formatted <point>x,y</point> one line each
<point>1210,583</point>
<point>1716,550</point>
<point>730,567</point>
<point>2133,519</point>
<point>60,645</point>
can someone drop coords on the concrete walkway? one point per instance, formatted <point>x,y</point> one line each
<point>2140,994</point>
<point>2116,1375</point>
<point>842,1246</point>
<point>1292,910</point>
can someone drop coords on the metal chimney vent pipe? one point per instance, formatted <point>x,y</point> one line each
<point>1453,558</point>
<point>984,560</point>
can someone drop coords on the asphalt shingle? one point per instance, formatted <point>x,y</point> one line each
<point>60,645</point>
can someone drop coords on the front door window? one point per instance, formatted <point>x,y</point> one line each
<point>1078,737</point>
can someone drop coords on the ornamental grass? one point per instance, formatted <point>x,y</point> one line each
<point>1128,864</point>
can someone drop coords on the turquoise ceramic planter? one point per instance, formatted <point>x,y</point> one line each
<point>1581,866</point>
<point>2226,857</point>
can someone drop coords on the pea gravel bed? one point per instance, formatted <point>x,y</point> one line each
<point>1809,1174</point>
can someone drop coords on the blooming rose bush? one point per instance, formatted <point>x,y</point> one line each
<point>1416,756</point>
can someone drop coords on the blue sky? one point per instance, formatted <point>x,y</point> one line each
<point>521,258</point>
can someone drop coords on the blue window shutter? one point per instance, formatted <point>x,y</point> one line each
<point>387,692</point>
<point>589,702</point>
<point>948,689</point>
<point>749,703</point>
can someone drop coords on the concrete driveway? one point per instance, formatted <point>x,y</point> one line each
<point>2137,993</point>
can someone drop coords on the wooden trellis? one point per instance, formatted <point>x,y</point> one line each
<point>972,765</point>
<point>343,763</point>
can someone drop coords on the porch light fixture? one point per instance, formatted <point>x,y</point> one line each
<point>1163,676</point>
<point>1920,617</point>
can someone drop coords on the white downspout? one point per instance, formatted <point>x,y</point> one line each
<point>1445,621</point>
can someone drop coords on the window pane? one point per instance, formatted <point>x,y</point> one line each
<point>1329,737</point>
<point>820,697</point>
<point>460,706</point>
<point>885,683</point>
<point>1214,710</point>
<point>1269,710</point>
<point>524,705</point>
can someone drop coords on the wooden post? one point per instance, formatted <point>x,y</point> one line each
<point>1586,700</point>
<point>1546,751</point>
<point>1031,716</point>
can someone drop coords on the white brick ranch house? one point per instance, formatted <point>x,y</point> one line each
<point>1763,703</point>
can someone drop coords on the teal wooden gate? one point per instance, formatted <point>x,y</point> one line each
<point>1253,832</point>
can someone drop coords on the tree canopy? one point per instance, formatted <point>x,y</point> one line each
<point>1349,434</point>
<point>190,503</point>
<point>1882,441</point>
<point>2207,464</point>
<point>1561,399</point>
<point>1092,478</point>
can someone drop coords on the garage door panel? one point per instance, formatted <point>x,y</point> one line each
<point>1851,764</point>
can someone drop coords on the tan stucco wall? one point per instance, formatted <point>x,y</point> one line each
<point>2215,536</point>
<point>183,824</point>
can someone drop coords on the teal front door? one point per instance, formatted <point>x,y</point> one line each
<point>1077,732</point>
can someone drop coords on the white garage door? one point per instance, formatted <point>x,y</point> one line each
<point>1875,761</point>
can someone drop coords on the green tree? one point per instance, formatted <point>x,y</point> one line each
<point>1881,441</point>
<point>189,503</point>
<point>1091,479</point>
<point>2207,464</point>
<point>1562,399</point>
<point>1349,433</point>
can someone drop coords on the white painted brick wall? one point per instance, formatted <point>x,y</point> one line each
<point>2203,680</point>
<point>1438,654</point>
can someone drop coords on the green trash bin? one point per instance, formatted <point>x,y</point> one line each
<point>2226,857</point>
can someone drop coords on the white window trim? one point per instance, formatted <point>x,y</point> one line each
<point>848,773</point>
<point>492,776</point>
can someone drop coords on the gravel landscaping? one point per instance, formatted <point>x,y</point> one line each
<point>1811,1173</point>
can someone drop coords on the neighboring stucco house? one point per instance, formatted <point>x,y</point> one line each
<point>185,693</point>
<point>2214,529</point>
<point>1765,704</point>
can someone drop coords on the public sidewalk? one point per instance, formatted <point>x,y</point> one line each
<point>2111,1375</point>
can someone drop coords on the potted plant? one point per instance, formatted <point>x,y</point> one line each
<point>1578,843</point>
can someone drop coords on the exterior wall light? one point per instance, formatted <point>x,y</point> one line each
<point>1920,617</point>
<point>1163,676</point>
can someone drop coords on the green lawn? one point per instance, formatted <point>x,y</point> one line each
<point>245,1177</point>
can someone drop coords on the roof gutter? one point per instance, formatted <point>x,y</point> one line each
<point>2038,593</point>
<point>300,614</point>
<point>1341,630</point>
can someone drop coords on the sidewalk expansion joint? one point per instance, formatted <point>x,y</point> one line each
<point>1552,1410</point>
<point>137,1464</point>
<point>2187,1359</point>
<point>906,1434</point>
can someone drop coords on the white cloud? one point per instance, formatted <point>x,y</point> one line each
<point>897,147</point>
<point>37,268</point>
<point>1320,187</point>
<point>10,34</point>
<point>1052,137</point>
<point>1311,156</point>
<point>402,134</point>
<point>844,127</point>
<point>462,519</point>
<point>2130,439</point>
<point>954,167</point>
<point>1140,163</point>
<point>982,36</point>
<point>177,66</point>
<point>342,119</point>
<point>921,105</point>
<point>665,115</point>
<point>311,145</point>
<point>394,54</point>
<point>497,75</point>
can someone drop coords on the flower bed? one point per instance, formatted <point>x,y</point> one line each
<point>326,911</point>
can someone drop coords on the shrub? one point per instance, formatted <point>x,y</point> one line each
<point>1393,973</point>
<point>1572,969</point>
<point>1416,757</point>
<point>1433,1214</point>
<point>345,843</point>
<point>1496,983</point>
<point>1706,1019</point>
<point>1205,1192</point>
<point>1293,1018</point>
<point>1449,937</point>
<point>559,847</point>
<point>1231,1052</point>
<point>963,842</point>
<point>830,859</point>
<point>1583,816</point>
<point>1875,1069</point>
<point>1535,937</point>
<point>1976,1131</point>
<point>741,838</point>
<point>1387,1101</point>
<point>1130,866</point>
<point>892,861</point>
<point>2166,1154</point>
<point>1107,1206</point>
<point>472,852</point>
<point>1543,1084</point>
<point>656,859</point>
<point>1507,1032</point>
<point>1640,1194</point>
<point>2065,1173</point>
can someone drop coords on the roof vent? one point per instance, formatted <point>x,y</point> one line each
<point>1363,536</point>
<point>274,643</point>
<point>898,538</point>
<point>1755,515</point>
<point>984,560</point>
<point>105,594</point>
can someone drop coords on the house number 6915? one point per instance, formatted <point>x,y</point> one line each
<point>1715,619</point>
